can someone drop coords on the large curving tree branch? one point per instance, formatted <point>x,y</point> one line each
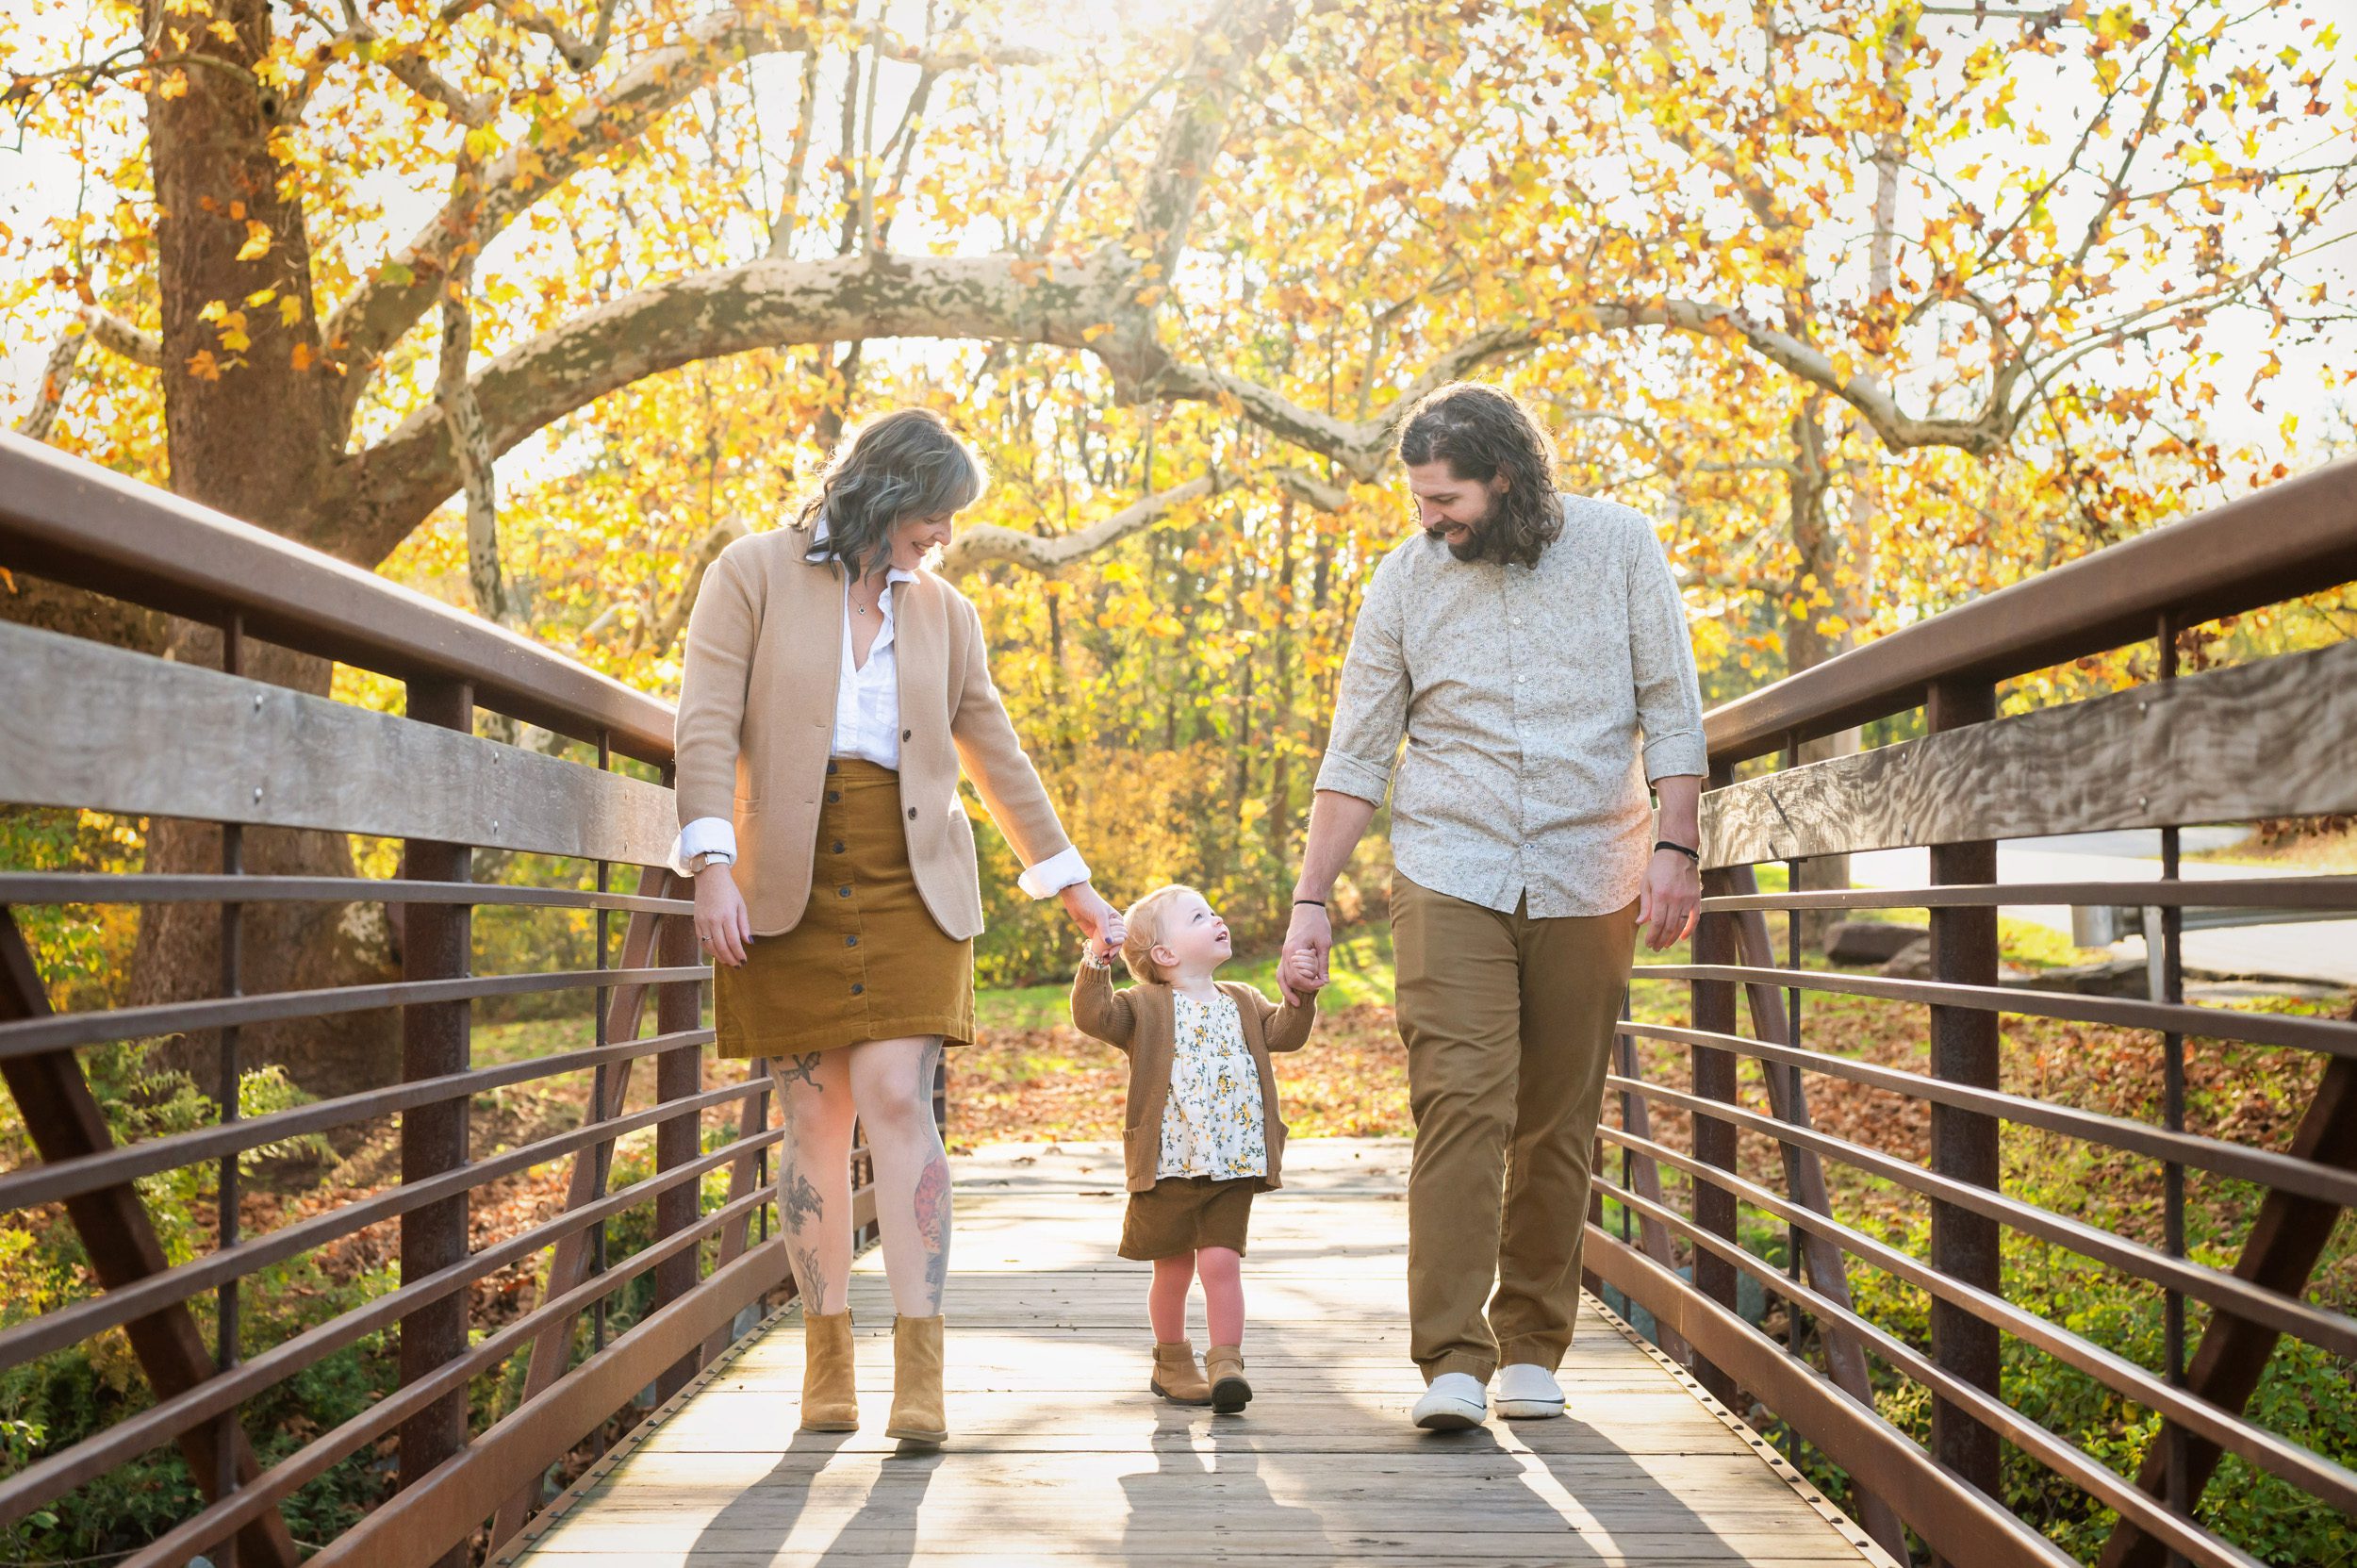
<point>986,542</point>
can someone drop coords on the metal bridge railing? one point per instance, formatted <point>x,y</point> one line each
<point>109,730</point>
<point>2273,737</point>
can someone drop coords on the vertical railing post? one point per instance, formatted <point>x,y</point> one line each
<point>1964,1049</point>
<point>226,1299</point>
<point>1712,1007</point>
<point>2172,968</point>
<point>678,1074</point>
<point>435,945</point>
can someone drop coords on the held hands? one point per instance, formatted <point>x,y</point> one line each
<point>1099,922</point>
<point>721,923</point>
<point>1307,941</point>
<point>1667,905</point>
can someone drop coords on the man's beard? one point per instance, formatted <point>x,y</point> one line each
<point>1474,547</point>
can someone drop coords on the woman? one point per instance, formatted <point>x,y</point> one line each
<point>833,688</point>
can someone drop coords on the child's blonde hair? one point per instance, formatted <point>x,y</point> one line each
<point>1144,923</point>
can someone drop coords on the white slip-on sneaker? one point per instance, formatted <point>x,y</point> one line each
<point>1528,1392</point>
<point>1454,1401</point>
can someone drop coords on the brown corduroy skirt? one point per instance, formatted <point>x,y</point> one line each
<point>867,961</point>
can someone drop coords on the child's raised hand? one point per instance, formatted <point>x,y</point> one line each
<point>1116,932</point>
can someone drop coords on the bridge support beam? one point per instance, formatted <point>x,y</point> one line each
<point>436,944</point>
<point>1964,1049</point>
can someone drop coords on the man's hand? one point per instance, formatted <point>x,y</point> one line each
<point>1666,906</point>
<point>1297,975</point>
<point>721,923</point>
<point>1307,941</point>
<point>1090,912</point>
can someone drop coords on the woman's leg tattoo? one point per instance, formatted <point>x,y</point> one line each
<point>894,1082</point>
<point>814,1177</point>
<point>932,1203</point>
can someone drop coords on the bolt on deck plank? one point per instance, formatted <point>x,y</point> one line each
<point>1059,1455</point>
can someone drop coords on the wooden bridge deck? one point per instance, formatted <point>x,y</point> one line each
<point>1059,1455</point>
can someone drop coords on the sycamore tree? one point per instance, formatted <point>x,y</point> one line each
<point>546,303</point>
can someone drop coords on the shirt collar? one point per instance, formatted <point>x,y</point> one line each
<point>815,555</point>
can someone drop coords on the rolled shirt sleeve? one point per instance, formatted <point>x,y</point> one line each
<point>706,836</point>
<point>1661,657</point>
<point>1371,708</point>
<point>1054,874</point>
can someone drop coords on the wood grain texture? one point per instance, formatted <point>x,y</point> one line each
<point>109,730</point>
<point>1058,1453</point>
<point>2272,738</point>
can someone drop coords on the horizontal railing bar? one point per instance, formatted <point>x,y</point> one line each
<point>2263,1166</point>
<point>68,1325</point>
<point>75,522</point>
<point>52,1478</point>
<point>310,1462</point>
<point>2296,538</point>
<point>2304,1468</point>
<point>65,1030</point>
<point>2326,893</point>
<point>2329,1035</point>
<point>2228,1293</point>
<point>21,1189</point>
<point>2080,1469</point>
<point>49,887</point>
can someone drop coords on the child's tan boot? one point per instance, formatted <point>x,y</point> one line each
<point>829,1400</point>
<point>918,1409</point>
<point>1225,1366</point>
<point>1177,1375</point>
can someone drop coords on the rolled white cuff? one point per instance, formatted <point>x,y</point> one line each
<point>1054,874</point>
<point>706,836</point>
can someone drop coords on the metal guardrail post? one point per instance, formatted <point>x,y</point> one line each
<point>1964,1049</point>
<point>1712,1007</point>
<point>435,945</point>
<point>678,1073</point>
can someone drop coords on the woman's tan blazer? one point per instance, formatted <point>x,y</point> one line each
<point>1142,1021</point>
<point>756,721</point>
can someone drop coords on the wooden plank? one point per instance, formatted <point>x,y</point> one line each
<point>109,730</point>
<point>1058,1455</point>
<point>2150,757</point>
<point>67,518</point>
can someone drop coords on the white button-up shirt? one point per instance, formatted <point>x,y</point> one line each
<point>1536,703</point>
<point>868,726</point>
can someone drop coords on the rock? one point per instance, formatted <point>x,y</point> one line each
<point>1912,961</point>
<point>1870,941</point>
<point>2118,977</point>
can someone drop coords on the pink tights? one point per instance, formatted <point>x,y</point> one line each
<point>1222,1270</point>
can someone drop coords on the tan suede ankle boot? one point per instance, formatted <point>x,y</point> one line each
<point>1177,1375</point>
<point>918,1410</point>
<point>829,1396</point>
<point>1224,1364</point>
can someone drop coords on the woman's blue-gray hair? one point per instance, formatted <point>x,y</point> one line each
<point>904,464</point>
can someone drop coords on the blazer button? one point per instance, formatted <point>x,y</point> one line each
<point>911,814</point>
<point>908,735</point>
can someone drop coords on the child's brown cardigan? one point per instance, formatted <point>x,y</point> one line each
<point>1142,1021</point>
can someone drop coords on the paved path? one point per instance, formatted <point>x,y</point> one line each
<point>2323,951</point>
<point>1060,1456</point>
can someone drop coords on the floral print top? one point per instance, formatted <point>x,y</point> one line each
<point>1212,1123</point>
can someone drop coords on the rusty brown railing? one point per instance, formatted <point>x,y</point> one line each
<point>2273,737</point>
<point>109,730</point>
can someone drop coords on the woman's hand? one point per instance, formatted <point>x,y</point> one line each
<point>721,923</point>
<point>1667,903</point>
<point>1097,918</point>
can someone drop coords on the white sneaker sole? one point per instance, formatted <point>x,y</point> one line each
<point>1454,1415</point>
<point>1530,1410</point>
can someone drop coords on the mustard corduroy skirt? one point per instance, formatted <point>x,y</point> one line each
<point>867,961</point>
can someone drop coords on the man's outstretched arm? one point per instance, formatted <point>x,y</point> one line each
<point>1337,822</point>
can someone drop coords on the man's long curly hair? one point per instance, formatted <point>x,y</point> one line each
<point>1481,433</point>
<point>904,464</point>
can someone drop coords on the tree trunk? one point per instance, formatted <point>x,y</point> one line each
<point>1806,642</point>
<point>253,429</point>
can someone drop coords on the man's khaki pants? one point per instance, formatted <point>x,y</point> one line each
<point>1509,1023</point>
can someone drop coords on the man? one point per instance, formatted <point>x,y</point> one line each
<point>1531,647</point>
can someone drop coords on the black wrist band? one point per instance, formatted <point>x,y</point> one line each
<point>1694,855</point>
<point>1320,902</point>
